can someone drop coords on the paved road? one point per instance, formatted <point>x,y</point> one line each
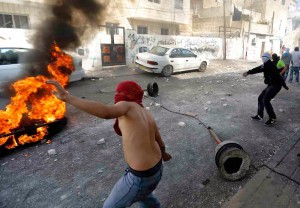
<point>84,170</point>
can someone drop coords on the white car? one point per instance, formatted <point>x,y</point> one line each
<point>168,59</point>
<point>17,63</point>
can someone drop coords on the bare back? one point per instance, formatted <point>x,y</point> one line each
<point>141,151</point>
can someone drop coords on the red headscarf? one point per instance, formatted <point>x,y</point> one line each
<point>128,91</point>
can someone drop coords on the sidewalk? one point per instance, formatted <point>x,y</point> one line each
<point>276,184</point>
<point>123,70</point>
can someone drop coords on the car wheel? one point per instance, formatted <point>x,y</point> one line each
<point>167,71</point>
<point>203,66</point>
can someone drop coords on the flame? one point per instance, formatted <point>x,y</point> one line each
<point>34,102</point>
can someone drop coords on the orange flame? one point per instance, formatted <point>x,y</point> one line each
<point>34,101</point>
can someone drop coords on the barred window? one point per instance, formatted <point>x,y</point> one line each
<point>178,4</point>
<point>155,1</point>
<point>142,30</point>
<point>112,28</point>
<point>164,31</point>
<point>14,21</point>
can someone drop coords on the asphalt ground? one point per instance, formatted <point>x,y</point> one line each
<point>84,169</point>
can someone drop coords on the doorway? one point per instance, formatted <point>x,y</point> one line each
<point>113,46</point>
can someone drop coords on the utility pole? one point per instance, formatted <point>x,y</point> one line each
<point>224,39</point>
<point>249,28</point>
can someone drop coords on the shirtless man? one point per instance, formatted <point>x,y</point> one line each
<point>143,147</point>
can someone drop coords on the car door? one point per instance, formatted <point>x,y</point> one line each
<point>176,59</point>
<point>9,66</point>
<point>191,61</point>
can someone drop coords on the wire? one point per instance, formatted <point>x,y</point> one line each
<point>120,11</point>
<point>134,12</point>
<point>184,114</point>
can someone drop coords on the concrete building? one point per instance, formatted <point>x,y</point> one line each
<point>292,37</point>
<point>261,24</point>
<point>18,18</point>
<point>156,17</point>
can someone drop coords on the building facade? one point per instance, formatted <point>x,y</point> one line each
<point>261,24</point>
<point>18,18</point>
<point>155,17</point>
<point>257,26</point>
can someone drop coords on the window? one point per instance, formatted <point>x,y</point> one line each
<point>158,50</point>
<point>178,4</point>
<point>142,30</point>
<point>187,53</point>
<point>143,49</point>
<point>111,28</point>
<point>164,31</point>
<point>21,21</point>
<point>176,53</point>
<point>12,56</point>
<point>155,1</point>
<point>14,21</point>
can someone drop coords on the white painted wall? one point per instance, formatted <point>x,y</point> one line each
<point>211,48</point>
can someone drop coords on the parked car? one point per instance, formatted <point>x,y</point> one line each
<point>168,59</point>
<point>18,62</point>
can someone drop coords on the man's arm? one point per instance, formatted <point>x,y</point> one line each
<point>94,108</point>
<point>283,70</point>
<point>166,156</point>
<point>255,70</point>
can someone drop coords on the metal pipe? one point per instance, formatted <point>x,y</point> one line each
<point>212,133</point>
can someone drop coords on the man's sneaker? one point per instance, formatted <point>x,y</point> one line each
<point>257,118</point>
<point>270,122</point>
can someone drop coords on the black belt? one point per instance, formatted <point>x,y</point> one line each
<point>146,173</point>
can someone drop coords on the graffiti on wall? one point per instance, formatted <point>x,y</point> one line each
<point>206,47</point>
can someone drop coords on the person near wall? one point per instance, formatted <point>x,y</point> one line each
<point>279,64</point>
<point>274,84</point>
<point>286,58</point>
<point>144,149</point>
<point>295,65</point>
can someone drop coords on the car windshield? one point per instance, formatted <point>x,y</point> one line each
<point>158,50</point>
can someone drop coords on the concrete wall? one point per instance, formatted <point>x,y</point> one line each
<point>154,28</point>
<point>145,10</point>
<point>35,12</point>
<point>211,48</point>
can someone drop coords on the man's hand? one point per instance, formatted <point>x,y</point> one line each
<point>166,156</point>
<point>61,92</point>
<point>286,87</point>
<point>245,74</point>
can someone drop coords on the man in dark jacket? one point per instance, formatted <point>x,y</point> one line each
<point>274,84</point>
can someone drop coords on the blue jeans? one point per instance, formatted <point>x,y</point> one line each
<point>130,189</point>
<point>296,71</point>
<point>285,75</point>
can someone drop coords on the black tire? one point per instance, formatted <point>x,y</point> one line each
<point>152,89</point>
<point>202,67</point>
<point>167,71</point>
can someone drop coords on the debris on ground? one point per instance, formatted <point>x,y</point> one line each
<point>101,141</point>
<point>181,124</point>
<point>52,152</point>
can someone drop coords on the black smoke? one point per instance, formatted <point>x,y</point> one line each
<point>68,22</point>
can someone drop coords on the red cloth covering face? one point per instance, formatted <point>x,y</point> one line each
<point>128,91</point>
